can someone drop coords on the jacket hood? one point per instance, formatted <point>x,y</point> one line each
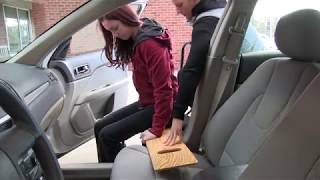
<point>151,29</point>
<point>205,5</point>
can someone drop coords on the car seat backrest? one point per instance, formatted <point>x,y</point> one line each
<point>293,149</point>
<point>241,126</point>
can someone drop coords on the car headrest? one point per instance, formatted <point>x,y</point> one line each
<point>297,35</point>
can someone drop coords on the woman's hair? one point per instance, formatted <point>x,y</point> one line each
<point>123,48</point>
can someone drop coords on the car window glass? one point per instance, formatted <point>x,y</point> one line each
<point>260,31</point>
<point>22,21</point>
<point>80,44</point>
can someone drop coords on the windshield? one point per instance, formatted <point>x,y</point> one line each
<point>24,20</point>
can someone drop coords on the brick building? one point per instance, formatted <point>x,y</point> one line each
<point>22,20</point>
<point>165,13</point>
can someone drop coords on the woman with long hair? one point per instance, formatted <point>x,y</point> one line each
<point>145,44</point>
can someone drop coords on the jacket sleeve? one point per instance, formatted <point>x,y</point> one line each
<point>191,73</point>
<point>158,61</point>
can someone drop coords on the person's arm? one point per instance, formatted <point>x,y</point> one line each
<point>189,77</point>
<point>159,71</point>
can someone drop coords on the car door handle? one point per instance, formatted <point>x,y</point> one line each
<point>81,69</point>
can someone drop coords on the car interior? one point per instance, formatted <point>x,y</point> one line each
<point>254,116</point>
<point>261,130</point>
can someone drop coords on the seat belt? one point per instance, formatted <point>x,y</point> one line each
<point>230,63</point>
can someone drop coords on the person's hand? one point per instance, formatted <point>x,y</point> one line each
<point>146,135</point>
<point>175,134</point>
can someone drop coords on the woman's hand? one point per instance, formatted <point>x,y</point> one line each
<point>175,134</point>
<point>146,135</point>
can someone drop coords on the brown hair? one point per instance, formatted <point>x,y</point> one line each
<point>123,48</point>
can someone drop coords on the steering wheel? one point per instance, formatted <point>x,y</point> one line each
<point>25,152</point>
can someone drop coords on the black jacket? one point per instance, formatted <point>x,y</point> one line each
<point>191,73</point>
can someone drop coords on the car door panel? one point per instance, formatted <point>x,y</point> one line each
<point>93,89</point>
<point>90,94</point>
<point>105,91</point>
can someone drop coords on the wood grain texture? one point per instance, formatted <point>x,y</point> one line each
<point>165,157</point>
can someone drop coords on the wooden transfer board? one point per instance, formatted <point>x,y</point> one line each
<point>166,157</point>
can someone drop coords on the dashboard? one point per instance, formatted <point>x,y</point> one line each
<point>38,87</point>
<point>43,94</point>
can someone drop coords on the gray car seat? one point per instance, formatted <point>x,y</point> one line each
<point>243,139</point>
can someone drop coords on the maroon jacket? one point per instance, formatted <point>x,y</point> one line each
<point>153,78</point>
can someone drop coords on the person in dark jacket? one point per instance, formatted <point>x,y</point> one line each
<point>204,16</point>
<point>146,45</point>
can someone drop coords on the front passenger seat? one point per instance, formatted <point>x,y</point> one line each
<point>237,133</point>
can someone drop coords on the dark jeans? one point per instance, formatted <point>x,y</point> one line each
<point>113,129</point>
